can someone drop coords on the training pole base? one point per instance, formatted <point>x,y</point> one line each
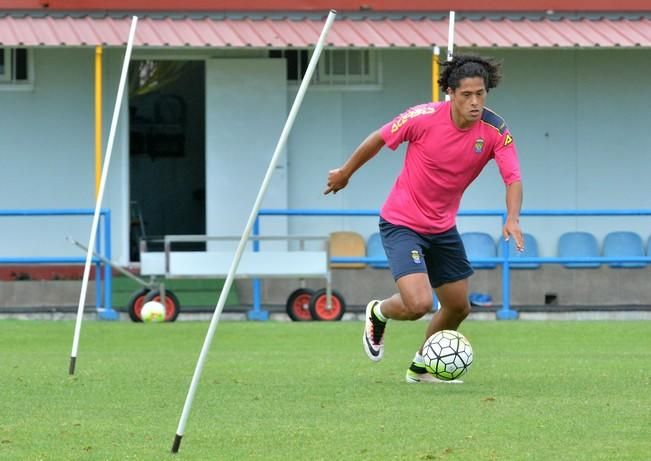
<point>257,315</point>
<point>506,314</point>
<point>108,314</point>
<point>71,367</point>
<point>177,443</point>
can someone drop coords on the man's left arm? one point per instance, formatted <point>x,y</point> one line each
<point>513,206</point>
<point>506,157</point>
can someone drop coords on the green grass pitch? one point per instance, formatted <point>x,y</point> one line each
<point>306,391</point>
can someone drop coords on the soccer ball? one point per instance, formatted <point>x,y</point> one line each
<point>152,311</point>
<point>447,354</point>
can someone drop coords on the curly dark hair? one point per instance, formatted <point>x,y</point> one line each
<point>461,67</point>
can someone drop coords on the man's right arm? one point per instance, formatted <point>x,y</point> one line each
<point>338,178</point>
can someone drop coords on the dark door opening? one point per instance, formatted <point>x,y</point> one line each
<point>167,165</point>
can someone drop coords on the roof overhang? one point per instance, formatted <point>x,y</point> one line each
<point>325,5</point>
<point>348,31</point>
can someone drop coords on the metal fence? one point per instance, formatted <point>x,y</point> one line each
<point>505,312</point>
<point>103,276</point>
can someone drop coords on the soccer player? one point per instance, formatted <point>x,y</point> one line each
<point>449,143</point>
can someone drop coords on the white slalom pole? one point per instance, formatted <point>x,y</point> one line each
<point>100,194</point>
<point>451,36</point>
<point>450,53</point>
<point>247,231</point>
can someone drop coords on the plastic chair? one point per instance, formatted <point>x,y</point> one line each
<point>375,249</point>
<point>623,244</point>
<point>530,251</point>
<point>479,245</point>
<point>578,245</point>
<point>347,244</point>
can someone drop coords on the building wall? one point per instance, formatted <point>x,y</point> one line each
<point>581,136</point>
<point>578,117</point>
<point>48,157</point>
<point>243,130</point>
<point>579,130</point>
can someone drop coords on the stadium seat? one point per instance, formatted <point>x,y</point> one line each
<point>578,245</point>
<point>623,244</point>
<point>479,245</point>
<point>375,249</point>
<point>530,251</point>
<point>347,244</point>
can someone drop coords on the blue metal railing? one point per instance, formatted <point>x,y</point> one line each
<point>505,260</point>
<point>102,289</point>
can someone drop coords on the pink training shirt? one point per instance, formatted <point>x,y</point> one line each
<point>441,162</point>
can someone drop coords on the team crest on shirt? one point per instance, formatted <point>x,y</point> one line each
<point>479,146</point>
<point>415,255</point>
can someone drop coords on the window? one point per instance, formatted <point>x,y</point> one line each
<point>348,67</point>
<point>4,68</point>
<point>297,61</point>
<point>352,69</point>
<point>14,66</point>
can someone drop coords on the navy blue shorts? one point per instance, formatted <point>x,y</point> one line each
<point>442,256</point>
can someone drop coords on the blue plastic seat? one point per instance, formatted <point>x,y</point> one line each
<point>479,245</point>
<point>578,245</point>
<point>530,251</point>
<point>375,249</point>
<point>623,244</point>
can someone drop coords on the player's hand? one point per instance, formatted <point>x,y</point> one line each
<point>337,180</point>
<point>512,229</point>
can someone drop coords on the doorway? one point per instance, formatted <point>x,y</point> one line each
<point>167,150</point>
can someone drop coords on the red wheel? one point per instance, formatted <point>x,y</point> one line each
<point>319,306</point>
<point>298,305</point>
<point>172,304</point>
<point>134,306</point>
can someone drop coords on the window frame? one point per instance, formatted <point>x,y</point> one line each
<point>8,81</point>
<point>322,80</point>
<point>328,77</point>
<point>6,72</point>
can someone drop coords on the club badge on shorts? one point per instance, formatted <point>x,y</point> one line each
<point>415,255</point>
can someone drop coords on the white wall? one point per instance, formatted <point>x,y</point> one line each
<point>243,127</point>
<point>579,118</point>
<point>332,124</point>
<point>47,153</point>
